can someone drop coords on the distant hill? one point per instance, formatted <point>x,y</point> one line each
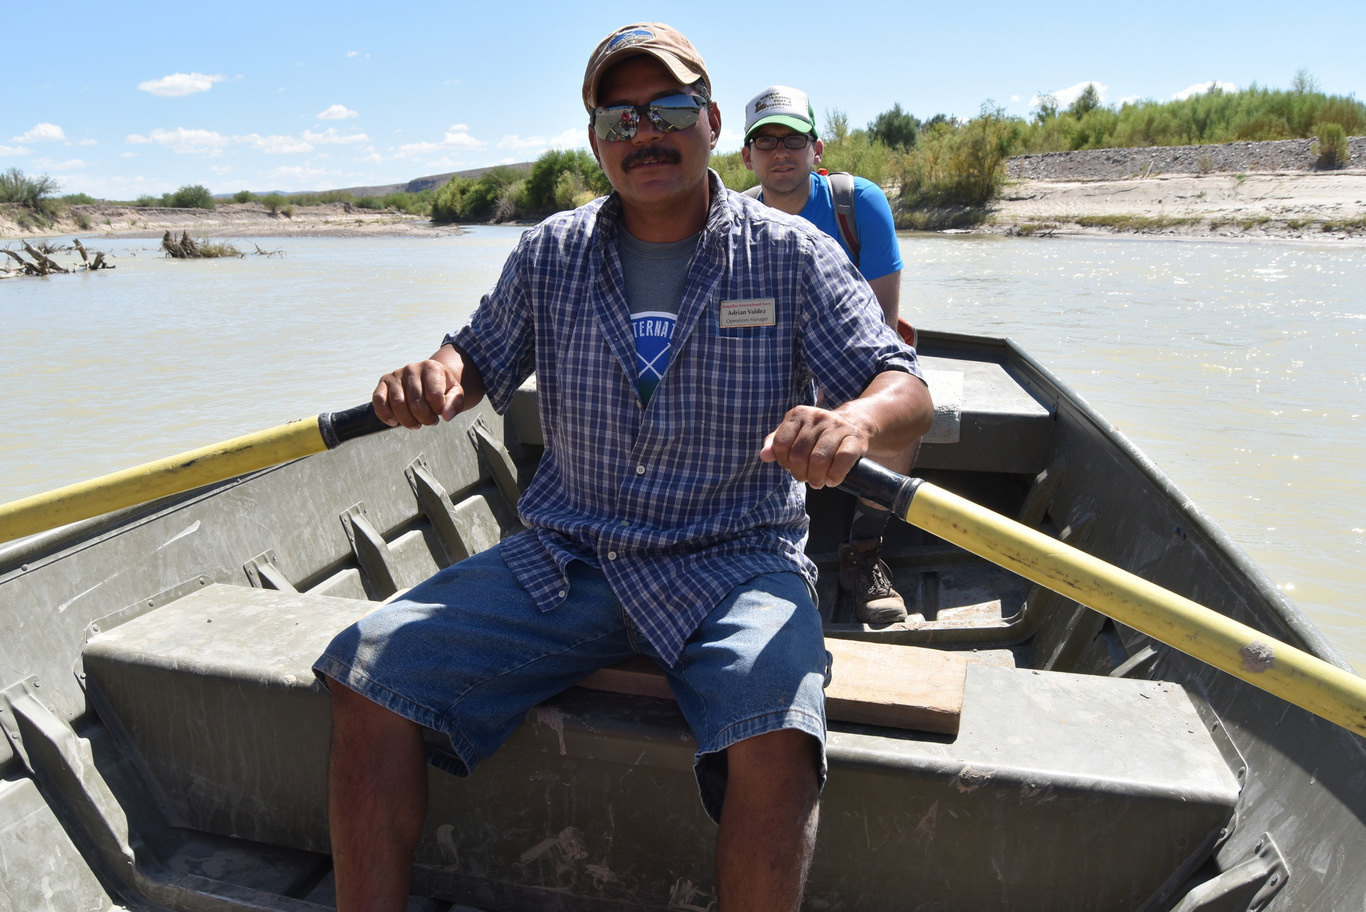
<point>416,185</point>
<point>431,182</point>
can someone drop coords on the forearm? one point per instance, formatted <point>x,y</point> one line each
<point>894,412</point>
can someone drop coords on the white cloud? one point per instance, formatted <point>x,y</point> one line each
<point>13,151</point>
<point>577,138</point>
<point>274,145</point>
<point>330,136</point>
<point>210,142</point>
<point>43,132</point>
<point>48,164</point>
<point>513,141</point>
<point>457,137</point>
<point>190,142</point>
<point>358,55</point>
<point>1200,88</point>
<point>88,142</point>
<point>179,84</point>
<point>337,112</point>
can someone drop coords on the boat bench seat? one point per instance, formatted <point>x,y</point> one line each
<point>1057,791</point>
<point>984,421</point>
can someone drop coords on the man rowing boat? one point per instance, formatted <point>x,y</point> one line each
<point>667,517</point>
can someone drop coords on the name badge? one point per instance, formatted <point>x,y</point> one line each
<point>753,312</point>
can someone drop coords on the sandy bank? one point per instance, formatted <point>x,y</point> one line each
<point>228,221</point>
<point>1246,189</point>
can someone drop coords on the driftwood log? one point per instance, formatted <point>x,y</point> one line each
<point>41,264</point>
<point>187,248</point>
<point>183,249</point>
<point>45,264</point>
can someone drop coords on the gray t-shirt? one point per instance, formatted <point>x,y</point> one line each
<point>654,274</point>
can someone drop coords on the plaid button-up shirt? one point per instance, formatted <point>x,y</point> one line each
<point>670,499</point>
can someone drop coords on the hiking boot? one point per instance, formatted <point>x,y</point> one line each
<point>864,576</point>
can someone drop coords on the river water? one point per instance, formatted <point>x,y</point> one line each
<point>1237,367</point>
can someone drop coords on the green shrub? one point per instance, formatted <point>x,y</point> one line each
<point>447,206</point>
<point>955,166</point>
<point>195,196</point>
<point>419,203</point>
<point>33,193</point>
<point>542,190</point>
<point>145,202</point>
<point>734,174</point>
<point>857,152</point>
<point>1332,141</point>
<point>491,197</point>
<point>1253,114</point>
<point>272,202</point>
<point>895,128</point>
<point>243,196</point>
<point>79,199</point>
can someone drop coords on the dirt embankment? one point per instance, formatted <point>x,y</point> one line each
<point>1250,190</point>
<point>227,221</point>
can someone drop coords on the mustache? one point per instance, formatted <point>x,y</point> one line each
<point>646,156</point>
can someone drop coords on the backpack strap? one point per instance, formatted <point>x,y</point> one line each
<point>842,193</point>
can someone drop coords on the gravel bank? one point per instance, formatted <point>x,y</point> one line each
<point>1266,190</point>
<point>1229,158</point>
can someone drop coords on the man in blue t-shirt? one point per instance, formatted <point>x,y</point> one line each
<point>782,149</point>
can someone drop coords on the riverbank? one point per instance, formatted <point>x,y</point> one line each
<point>1263,190</point>
<point>227,220</point>
<point>1241,190</point>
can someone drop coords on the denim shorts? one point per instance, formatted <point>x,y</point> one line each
<point>467,653</point>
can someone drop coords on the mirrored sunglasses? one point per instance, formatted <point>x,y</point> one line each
<point>674,112</point>
<point>793,141</point>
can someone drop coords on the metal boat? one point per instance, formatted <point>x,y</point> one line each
<point>165,741</point>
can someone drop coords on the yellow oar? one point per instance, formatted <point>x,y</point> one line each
<point>1244,652</point>
<point>185,472</point>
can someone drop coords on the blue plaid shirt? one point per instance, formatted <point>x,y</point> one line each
<point>670,499</point>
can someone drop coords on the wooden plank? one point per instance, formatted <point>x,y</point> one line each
<point>909,687</point>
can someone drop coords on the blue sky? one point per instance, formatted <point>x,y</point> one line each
<point>129,99</point>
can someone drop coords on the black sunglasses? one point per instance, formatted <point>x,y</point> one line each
<point>794,141</point>
<point>674,112</point>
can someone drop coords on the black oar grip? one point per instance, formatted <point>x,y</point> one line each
<point>882,486</point>
<point>339,427</point>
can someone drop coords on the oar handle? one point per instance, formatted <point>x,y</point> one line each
<point>338,427</point>
<point>881,485</point>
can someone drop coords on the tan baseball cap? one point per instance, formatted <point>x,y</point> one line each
<point>665,43</point>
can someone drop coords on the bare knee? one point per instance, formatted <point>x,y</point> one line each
<point>781,762</point>
<point>354,715</point>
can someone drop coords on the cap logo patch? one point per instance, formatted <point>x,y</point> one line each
<point>768,101</point>
<point>631,38</point>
